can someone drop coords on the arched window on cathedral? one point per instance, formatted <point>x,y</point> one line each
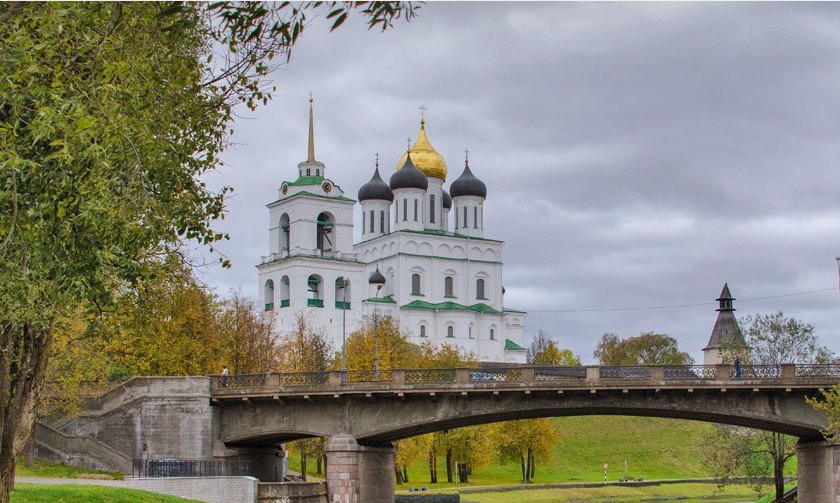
<point>372,228</point>
<point>469,332</point>
<point>314,289</point>
<point>479,289</point>
<point>475,217</point>
<point>405,209</point>
<point>422,330</point>
<point>450,331</point>
<point>268,294</point>
<point>382,221</point>
<point>465,225</point>
<point>448,287</point>
<point>317,172</point>
<point>285,236</point>
<point>432,208</point>
<point>308,171</point>
<point>415,210</point>
<point>284,291</point>
<point>415,284</point>
<point>492,334</point>
<point>325,224</point>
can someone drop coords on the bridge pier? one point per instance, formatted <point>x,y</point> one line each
<point>358,473</point>
<point>818,466</point>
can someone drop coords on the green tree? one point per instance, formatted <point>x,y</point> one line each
<point>772,339</point>
<point>544,351</point>
<point>648,348</point>
<point>775,339</point>
<point>110,113</point>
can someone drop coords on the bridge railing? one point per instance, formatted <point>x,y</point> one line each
<point>152,468</point>
<point>530,374</point>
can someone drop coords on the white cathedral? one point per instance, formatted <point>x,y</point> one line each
<point>422,258</point>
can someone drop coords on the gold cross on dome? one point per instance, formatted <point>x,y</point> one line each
<point>310,97</point>
<point>408,144</point>
<point>423,113</point>
<point>377,160</point>
<point>467,155</point>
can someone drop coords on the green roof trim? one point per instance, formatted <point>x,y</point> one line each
<point>306,180</point>
<point>508,310</point>
<point>449,305</point>
<point>382,300</point>
<point>437,232</point>
<point>310,194</point>
<point>512,346</point>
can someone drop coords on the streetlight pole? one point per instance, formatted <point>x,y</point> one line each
<point>344,330</point>
<point>838,269</point>
<point>377,279</point>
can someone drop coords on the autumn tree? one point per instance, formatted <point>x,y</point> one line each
<point>306,349</point>
<point>648,348</point>
<point>467,450</point>
<point>772,339</point>
<point>525,441</point>
<point>164,327</point>
<point>544,351</point>
<point>110,113</point>
<point>395,351</point>
<point>246,336</point>
<point>409,450</point>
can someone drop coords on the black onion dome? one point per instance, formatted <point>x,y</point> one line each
<point>409,177</point>
<point>376,188</point>
<point>376,277</point>
<point>447,200</point>
<point>468,185</point>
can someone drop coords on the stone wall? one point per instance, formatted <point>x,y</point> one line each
<point>150,417</point>
<point>293,492</point>
<point>208,489</point>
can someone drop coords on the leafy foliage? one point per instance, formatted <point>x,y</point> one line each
<point>774,339</point>
<point>305,349</point>
<point>526,441</point>
<point>394,349</point>
<point>109,115</point>
<point>648,348</point>
<point>544,351</point>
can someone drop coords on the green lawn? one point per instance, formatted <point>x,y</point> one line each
<point>615,494</point>
<point>49,470</point>
<point>72,493</point>
<point>653,448</point>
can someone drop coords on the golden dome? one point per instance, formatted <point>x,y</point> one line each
<point>425,157</point>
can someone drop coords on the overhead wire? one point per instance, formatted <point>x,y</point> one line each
<point>676,306</point>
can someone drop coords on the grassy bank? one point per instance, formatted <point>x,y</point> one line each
<point>49,470</point>
<point>653,448</point>
<point>616,494</point>
<point>72,493</point>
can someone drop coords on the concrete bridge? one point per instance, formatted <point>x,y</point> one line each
<point>249,415</point>
<point>362,415</point>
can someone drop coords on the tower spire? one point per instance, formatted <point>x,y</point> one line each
<point>311,156</point>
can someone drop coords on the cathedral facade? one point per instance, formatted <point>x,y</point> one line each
<point>422,258</point>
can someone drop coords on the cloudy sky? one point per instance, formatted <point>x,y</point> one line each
<point>636,155</point>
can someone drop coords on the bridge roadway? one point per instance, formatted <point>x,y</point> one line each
<point>362,415</point>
